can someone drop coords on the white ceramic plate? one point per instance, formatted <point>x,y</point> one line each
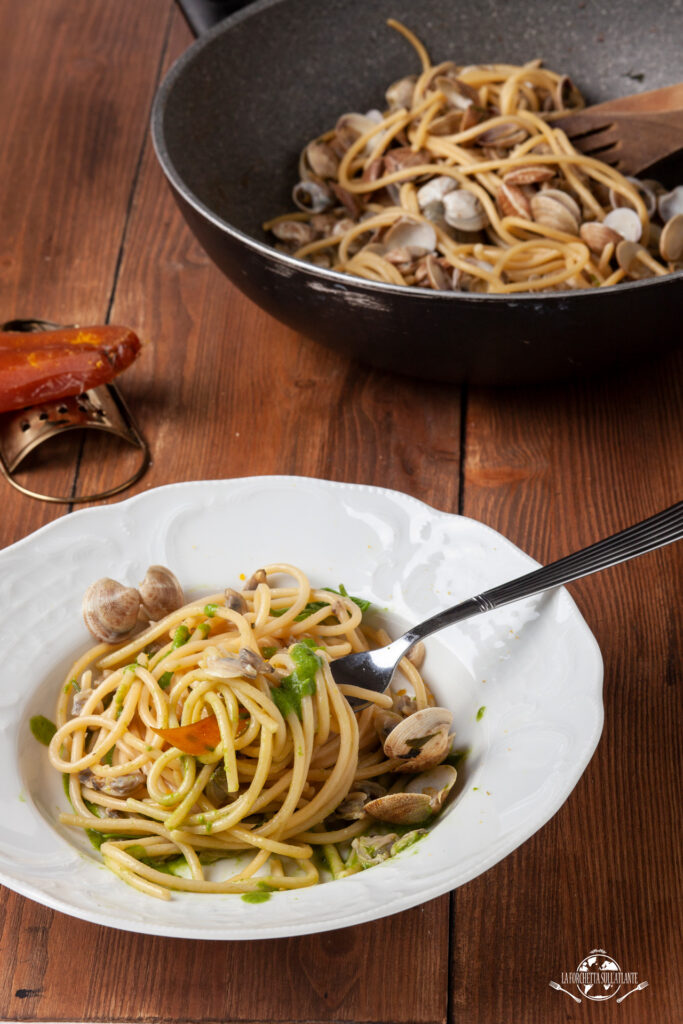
<point>534,666</point>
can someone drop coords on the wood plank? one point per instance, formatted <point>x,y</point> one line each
<point>251,396</point>
<point>345,975</point>
<point>67,163</point>
<point>555,469</point>
<point>222,391</point>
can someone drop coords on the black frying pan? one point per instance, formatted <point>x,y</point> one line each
<point>234,112</point>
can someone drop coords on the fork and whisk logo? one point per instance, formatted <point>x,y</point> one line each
<point>598,978</point>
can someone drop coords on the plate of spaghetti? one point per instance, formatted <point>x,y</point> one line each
<point>202,776</point>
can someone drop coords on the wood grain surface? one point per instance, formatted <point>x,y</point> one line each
<point>91,233</point>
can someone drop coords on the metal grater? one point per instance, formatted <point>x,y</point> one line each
<point>101,408</point>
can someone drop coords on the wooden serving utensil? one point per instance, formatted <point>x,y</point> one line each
<point>632,132</point>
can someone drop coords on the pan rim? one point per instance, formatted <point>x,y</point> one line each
<point>159,107</point>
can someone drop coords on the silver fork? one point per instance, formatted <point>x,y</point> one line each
<point>374,670</point>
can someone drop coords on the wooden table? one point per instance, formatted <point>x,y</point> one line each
<point>90,233</point>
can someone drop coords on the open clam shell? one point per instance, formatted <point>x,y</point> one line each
<point>423,797</point>
<point>352,808</point>
<point>422,740</point>
<point>628,258</point>
<point>625,222</point>
<point>312,197</point>
<point>400,94</point>
<point>463,210</point>
<point>670,204</point>
<point>415,235</point>
<point>385,722</point>
<point>671,240</point>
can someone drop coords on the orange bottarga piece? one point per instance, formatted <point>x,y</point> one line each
<point>197,738</point>
<point>50,365</point>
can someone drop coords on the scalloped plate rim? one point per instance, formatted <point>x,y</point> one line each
<point>256,924</point>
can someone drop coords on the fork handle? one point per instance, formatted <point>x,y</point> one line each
<point>652,533</point>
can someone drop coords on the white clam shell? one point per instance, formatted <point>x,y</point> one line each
<point>422,797</point>
<point>160,592</point>
<point>550,208</point>
<point>439,281</point>
<point>311,197</point>
<point>322,159</point>
<point>570,204</point>
<point>400,93</point>
<point>400,808</point>
<point>362,123</point>
<point>627,253</point>
<point>415,235</point>
<point>463,210</point>
<point>436,188</point>
<point>421,740</point>
<point>110,610</point>
<point>597,235</point>
<point>435,783</point>
<point>671,203</point>
<point>671,240</point>
<point>458,94</point>
<point>625,222</point>
<point>227,667</point>
<point>295,231</point>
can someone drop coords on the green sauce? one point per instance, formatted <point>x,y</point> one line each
<point>122,691</point>
<point>409,839</point>
<point>301,682</point>
<point>310,642</point>
<point>315,606</point>
<point>43,729</point>
<point>168,867</point>
<point>180,636</point>
<point>309,609</point>
<point>362,603</point>
<point>457,757</point>
<point>255,897</point>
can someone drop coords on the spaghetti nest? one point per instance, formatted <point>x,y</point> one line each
<point>467,182</point>
<point>218,732</point>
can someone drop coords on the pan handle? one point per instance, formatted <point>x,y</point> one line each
<point>201,15</point>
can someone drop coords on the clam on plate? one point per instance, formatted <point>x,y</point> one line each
<point>533,666</point>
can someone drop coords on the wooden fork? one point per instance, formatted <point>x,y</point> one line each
<point>630,133</point>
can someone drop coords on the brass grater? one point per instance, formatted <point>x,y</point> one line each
<point>101,408</point>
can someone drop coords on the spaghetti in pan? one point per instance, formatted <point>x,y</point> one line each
<point>214,730</point>
<point>466,182</point>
